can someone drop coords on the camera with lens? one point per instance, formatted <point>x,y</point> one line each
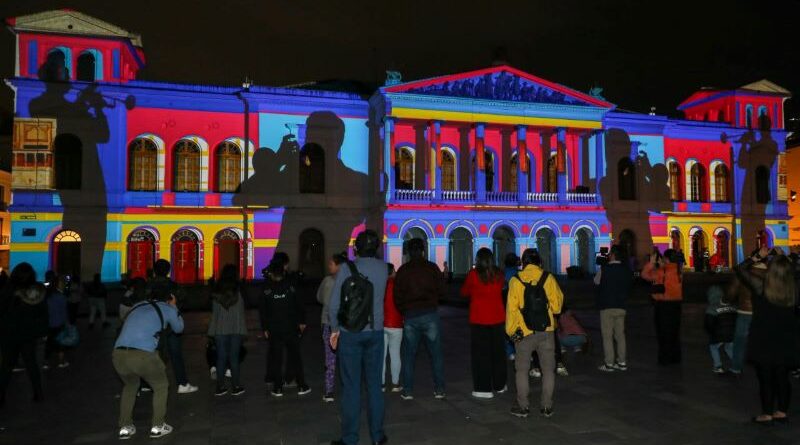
<point>602,257</point>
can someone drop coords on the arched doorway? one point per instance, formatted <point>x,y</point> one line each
<point>546,245</point>
<point>627,240</point>
<point>141,253</point>
<point>722,241</point>
<point>67,253</point>
<point>699,248</point>
<point>676,240</point>
<point>228,250</point>
<point>68,162</point>
<point>312,253</point>
<point>504,243</point>
<point>584,247</point>
<point>185,256</point>
<point>460,252</point>
<point>414,232</point>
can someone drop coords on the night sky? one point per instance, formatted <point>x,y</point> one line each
<point>642,53</point>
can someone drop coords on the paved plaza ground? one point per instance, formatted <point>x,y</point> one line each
<point>649,404</point>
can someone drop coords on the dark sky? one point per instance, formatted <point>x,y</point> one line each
<point>642,53</point>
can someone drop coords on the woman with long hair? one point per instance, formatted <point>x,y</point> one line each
<point>773,340</point>
<point>667,293</point>
<point>324,297</point>
<point>483,287</point>
<point>228,326</point>
<point>23,320</point>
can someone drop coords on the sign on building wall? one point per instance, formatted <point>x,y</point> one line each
<point>32,153</point>
<point>783,195</point>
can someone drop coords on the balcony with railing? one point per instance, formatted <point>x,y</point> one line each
<point>468,197</point>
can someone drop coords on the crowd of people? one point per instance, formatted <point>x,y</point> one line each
<point>374,319</point>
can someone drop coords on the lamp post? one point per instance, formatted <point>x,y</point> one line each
<point>246,105</point>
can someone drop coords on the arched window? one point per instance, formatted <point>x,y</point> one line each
<point>143,163</point>
<point>763,194</point>
<point>187,166</point>
<point>764,122</point>
<point>721,183</point>
<point>57,66</point>
<point>675,181</point>
<point>626,178</point>
<point>404,169</point>
<point>229,167</point>
<point>448,170</point>
<point>697,182</point>
<point>748,116</point>
<point>312,169</point>
<point>86,67</point>
<point>68,162</point>
<point>551,184</point>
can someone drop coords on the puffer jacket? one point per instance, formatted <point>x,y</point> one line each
<point>740,294</point>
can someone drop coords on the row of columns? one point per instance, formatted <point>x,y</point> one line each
<point>431,155</point>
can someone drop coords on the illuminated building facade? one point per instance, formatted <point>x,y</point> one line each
<point>111,173</point>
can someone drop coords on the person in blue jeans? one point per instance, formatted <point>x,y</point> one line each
<point>740,296</point>
<point>360,353</point>
<point>418,286</point>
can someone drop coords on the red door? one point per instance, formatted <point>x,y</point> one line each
<point>140,258</point>
<point>184,261</point>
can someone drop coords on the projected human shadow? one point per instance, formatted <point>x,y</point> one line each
<point>82,125</point>
<point>632,188</point>
<point>312,183</point>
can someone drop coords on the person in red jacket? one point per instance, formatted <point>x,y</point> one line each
<point>484,288</point>
<point>392,334</point>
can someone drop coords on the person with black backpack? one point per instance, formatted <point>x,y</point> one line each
<point>534,297</point>
<point>356,317</point>
<point>283,320</point>
<point>136,358</point>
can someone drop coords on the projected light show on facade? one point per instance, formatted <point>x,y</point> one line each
<point>111,173</point>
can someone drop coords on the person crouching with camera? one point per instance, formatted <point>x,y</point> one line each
<point>533,298</point>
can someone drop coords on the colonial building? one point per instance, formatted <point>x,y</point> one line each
<point>111,172</point>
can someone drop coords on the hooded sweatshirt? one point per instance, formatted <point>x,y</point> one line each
<point>720,317</point>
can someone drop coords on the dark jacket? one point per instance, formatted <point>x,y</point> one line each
<point>774,330</point>
<point>281,309</point>
<point>720,319</point>
<point>23,314</point>
<point>418,286</point>
<point>616,282</point>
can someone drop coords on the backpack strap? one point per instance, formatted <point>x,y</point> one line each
<point>542,279</point>
<point>160,318</point>
<point>353,269</point>
<point>356,274</point>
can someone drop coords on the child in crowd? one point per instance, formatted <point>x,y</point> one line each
<point>570,332</point>
<point>392,334</point>
<point>720,324</point>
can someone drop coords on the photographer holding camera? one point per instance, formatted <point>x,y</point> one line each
<point>667,292</point>
<point>614,283</point>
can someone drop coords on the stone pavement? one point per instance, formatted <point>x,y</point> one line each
<point>646,405</point>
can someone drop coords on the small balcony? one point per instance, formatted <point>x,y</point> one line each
<point>467,197</point>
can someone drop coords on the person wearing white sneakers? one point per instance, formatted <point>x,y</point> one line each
<point>487,315</point>
<point>135,358</point>
<point>614,283</point>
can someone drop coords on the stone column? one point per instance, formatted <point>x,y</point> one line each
<point>436,145</point>
<point>522,164</point>
<point>389,155</point>
<point>480,168</point>
<point>599,157</point>
<point>561,164</point>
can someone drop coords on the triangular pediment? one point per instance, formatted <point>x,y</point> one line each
<point>765,86</point>
<point>65,21</point>
<point>499,83</point>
